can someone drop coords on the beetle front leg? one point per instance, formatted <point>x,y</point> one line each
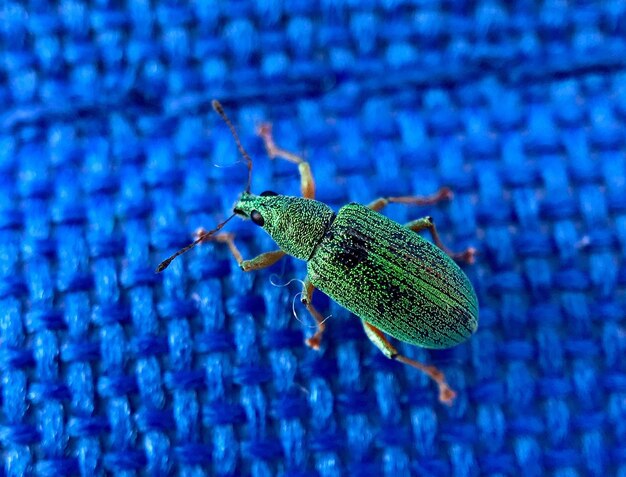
<point>261,261</point>
<point>446,394</point>
<point>442,194</point>
<point>427,223</point>
<point>307,183</point>
<point>307,296</point>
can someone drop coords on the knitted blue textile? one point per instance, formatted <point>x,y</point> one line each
<point>111,157</point>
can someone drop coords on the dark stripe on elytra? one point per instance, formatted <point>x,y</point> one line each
<point>424,324</point>
<point>353,250</point>
<point>417,251</point>
<point>429,320</point>
<point>410,320</point>
<point>352,253</point>
<point>392,297</point>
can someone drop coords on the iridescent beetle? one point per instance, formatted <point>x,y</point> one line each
<point>395,281</point>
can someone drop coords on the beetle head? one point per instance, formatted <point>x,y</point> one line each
<point>256,207</point>
<point>296,224</point>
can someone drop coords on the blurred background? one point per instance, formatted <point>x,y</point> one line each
<point>111,157</point>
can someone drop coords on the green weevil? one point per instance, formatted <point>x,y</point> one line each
<point>385,273</point>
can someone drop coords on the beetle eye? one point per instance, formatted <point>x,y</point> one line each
<point>257,218</point>
<point>268,193</point>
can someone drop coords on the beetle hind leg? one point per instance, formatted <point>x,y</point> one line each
<point>307,183</point>
<point>426,222</point>
<point>418,225</point>
<point>446,394</point>
<point>442,194</point>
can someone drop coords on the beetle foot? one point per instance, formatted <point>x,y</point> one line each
<point>467,256</point>
<point>314,342</point>
<point>264,130</point>
<point>445,193</point>
<point>446,394</point>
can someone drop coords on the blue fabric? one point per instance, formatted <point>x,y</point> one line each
<point>111,157</point>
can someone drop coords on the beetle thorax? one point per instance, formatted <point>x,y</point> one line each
<point>296,224</point>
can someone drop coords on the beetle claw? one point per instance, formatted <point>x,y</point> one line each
<point>446,395</point>
<point>264,129</point>
<point>314,342</point>
<point>467,256</point>
<point>445,193</point>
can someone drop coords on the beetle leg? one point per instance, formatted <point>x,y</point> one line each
<point>261,261</point>
<point>446,394</point>
<point>442,194</point>
<point>307,295</point>
<point>427,223</point>
<point>307,183</point>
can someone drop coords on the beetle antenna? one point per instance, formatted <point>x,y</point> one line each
<point>205,235</point>
<point>220,110</point>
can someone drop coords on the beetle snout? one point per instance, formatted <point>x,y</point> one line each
<point>242,213</point>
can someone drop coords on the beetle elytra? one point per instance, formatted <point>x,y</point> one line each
<point>395,281</point>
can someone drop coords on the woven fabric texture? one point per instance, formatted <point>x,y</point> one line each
<point>111,157</point>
